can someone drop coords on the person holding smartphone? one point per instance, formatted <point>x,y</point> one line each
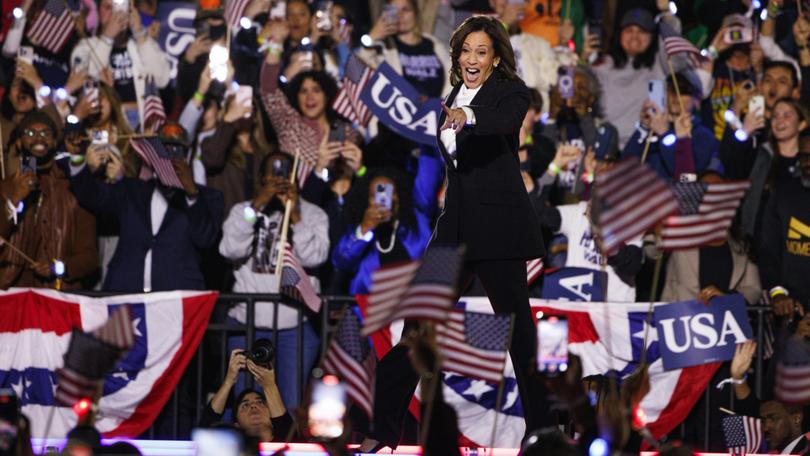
<point>43,218</point>
<point>124,54</point>
<point>681,148</point>
<point>397,38</point>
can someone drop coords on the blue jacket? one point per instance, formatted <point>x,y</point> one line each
<point>175,249</point>
<point>661,158</point>
<point>361,258</point>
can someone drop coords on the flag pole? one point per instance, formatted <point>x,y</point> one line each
<point>659,260</point>
<point>4,241</point>
<point>677,90</point>
<point>646,146</point>
<point>430,395</point>
<point>499,393</point>
<point>2,156</point>
<point>285,226</point>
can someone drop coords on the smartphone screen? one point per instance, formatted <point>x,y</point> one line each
<point>278,10</point>
<point>565,82</point>
<point>383,196</point>
<point>337,134</point>
<point>390,13</point>
<point>244,96</point>
<point>657,93</point>
<point>327,408</point>
<point>756,105</point>
<point>552,344</point>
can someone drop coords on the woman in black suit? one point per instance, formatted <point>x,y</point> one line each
<point>486,206</point>
<point>486,210</point>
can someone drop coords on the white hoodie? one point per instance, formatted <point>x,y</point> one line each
<point>310,240</point>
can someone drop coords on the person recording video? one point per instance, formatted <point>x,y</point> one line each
<point>263,416</point>
<point>43,220</point>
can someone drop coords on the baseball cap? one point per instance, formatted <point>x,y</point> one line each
<point>640,17</point>
<point>172,132</point>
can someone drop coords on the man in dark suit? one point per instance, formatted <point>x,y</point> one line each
<point>163,229</point>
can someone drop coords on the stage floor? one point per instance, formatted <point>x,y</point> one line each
<point>186,448</point>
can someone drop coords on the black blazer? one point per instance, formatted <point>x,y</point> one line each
<point>486,207</point>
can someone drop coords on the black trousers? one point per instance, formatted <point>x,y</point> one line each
<point>505,284</point>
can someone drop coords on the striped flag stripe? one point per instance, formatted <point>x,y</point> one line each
<point>534,268</point>
<point>355,382</point>
<point>460,356</point>
<point>234,10</point>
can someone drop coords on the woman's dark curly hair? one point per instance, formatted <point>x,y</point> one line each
<point>326,83</point>
<point>506,69</point>
<point>645,60</point>
<point>358,196</point>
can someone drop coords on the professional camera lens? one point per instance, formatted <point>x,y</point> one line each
<point>262,352</point>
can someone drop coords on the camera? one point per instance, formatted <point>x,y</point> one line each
<point>262,352</point>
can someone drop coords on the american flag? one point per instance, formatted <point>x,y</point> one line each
<point>675,45</point>
<point>53,25</point>
<point>743,434</point>
<point>90,356</point>
<point>534,268</point>
<point>154,155</point>
<point>793,373</point>
<point>295,281</point>
<point>234,10</point>
<point>429,296</point>
<point>153,113</point>
<point>347,102</point>
<point>631,199</point>
<point>349,357</point>
<point>706,212</point>
<point>474,344</point>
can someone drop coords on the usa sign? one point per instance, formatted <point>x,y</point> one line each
<point>397,105</point>
<point>692,332</point>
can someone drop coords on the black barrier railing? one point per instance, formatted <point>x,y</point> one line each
<point>198,382</point>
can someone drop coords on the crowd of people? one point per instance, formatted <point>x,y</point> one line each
<point>85,210</point>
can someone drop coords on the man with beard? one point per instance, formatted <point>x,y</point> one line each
<point>163,229</point>
<point>782,426</point>
<point>42,218</point>
<point>785,256</point>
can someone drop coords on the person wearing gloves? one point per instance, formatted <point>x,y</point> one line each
<point>250,239</point>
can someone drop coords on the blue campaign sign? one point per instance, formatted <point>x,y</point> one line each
<point>398,106</point>
<point>692,333</point>
<point>575,284</point>
<point>176,29</point>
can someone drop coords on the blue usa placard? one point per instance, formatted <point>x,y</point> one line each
<point>692,333</point>
<point>398,106</point>
<point>575,284</point>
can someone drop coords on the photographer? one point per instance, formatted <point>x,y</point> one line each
<point>250,239</point>
<point>264,417</point>
<point>124,55</point>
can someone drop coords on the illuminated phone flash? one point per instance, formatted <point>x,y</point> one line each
<point>245,23</point>
<point>18,13</point>
<point>44,91</point>
<point>669,139</point>
<point>58,268</point>
<point>673,8</point>
<point>305,41</point>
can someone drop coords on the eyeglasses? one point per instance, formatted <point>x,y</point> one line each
<point>41,133</point>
